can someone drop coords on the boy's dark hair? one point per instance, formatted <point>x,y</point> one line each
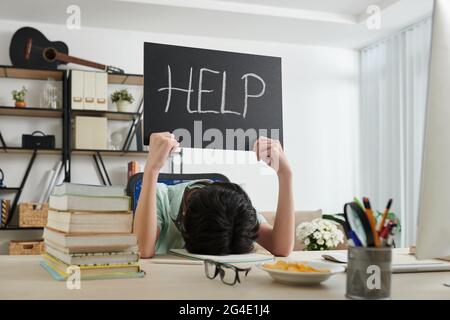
<point>219,219</point>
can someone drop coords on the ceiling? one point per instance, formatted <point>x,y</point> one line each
<point>335,23</point>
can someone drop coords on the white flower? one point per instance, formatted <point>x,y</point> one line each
<point>304,230</point>
<point>323,232</point>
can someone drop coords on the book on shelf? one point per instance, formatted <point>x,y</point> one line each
<point>79,189</point>
<point>133,168</point>
<point>53,176</point>
<point>90,242</point>
<point>67,202</point>
<point>4,208</point>
<point>99,258</point>
<point>60,270</point>
<point>90,222</point>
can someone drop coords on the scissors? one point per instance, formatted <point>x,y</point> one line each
<point>359,224</point>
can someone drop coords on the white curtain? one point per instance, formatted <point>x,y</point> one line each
<point>394,75</point>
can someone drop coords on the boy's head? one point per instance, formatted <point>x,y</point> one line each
<point>219,219</point>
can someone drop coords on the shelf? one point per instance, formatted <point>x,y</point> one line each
<point>14,150</point>
<point>109,153</point>
<point>9,228</point>
<point>111,115</point>
<point>128,79</point>
<point>34,74</point>
<point>7,189</point>
<point>30,112</point>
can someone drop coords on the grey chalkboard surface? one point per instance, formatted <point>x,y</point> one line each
<point>210,98</point>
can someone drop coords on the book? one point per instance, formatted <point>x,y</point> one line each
<point>4,208</point>
<point>118,275</point>
<point>90,222</point>
<point>133,168</point>
<point>138,134</point>
<point>91,249</point>
<point>234,258</point>
<point>87,270</point>
<point>53,176</point>
<point>67,202</point>
<point>90,242</point>
<point>78,189</point>
<point>59,270</point>
<point>92,258</point>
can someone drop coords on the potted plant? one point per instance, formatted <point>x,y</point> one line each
<point>122,99</point>
<point>19,97</point>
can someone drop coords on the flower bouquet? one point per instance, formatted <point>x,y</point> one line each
<point>319,235</point>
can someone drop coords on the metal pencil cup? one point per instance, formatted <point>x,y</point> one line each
<point>369,273</point>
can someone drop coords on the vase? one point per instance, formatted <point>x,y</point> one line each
<point>21,104</point>
<point>124,106</point>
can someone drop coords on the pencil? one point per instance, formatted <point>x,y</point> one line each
<point>385,214</point>
<point>373,223</point>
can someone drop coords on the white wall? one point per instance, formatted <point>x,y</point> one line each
<point>320,101</point>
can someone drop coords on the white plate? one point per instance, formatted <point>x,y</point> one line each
<point>304,278</point>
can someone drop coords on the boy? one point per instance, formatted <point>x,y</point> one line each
<point>208,217</point>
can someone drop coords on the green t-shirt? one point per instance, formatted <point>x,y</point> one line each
<point>168,202</point>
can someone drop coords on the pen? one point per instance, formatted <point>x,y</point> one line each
<point>372,222</point>
<point>354,239</point>
<point>383,220</point>
<point>384,235</point>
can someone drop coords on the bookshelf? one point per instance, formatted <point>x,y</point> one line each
<point>65,114</point>
<point>126,79</point>
<point>16,150</point>
<point>108,153</point>
<point>9,189</point>
<point>30,112</point>
<point>32,74</point>
<point>15,228</point>
<point>111,115</point>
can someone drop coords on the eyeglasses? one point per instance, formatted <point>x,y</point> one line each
<point>229,274</point>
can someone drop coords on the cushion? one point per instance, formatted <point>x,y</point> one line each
<point>300,217</point>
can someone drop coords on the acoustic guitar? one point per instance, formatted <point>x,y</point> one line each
<point>29,48</point>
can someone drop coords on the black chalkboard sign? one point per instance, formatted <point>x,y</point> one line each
<point>211,99</point>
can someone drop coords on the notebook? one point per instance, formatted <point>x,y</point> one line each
<point>400,264</point>
<point>234,258</point>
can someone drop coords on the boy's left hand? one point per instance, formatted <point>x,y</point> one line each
<point>271,152</point>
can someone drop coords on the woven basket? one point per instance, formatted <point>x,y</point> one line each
<point>26,247</point>
<point>30,216</point>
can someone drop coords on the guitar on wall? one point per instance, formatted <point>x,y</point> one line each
<point>29,48</point>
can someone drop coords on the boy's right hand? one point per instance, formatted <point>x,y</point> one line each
<point>160,146</point>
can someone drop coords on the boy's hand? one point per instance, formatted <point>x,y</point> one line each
<point>271,152</point>
<point>161,145</point>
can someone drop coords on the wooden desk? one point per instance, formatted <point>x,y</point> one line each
<point>21,277</point>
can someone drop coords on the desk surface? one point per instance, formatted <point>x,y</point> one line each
<point>21,277</point>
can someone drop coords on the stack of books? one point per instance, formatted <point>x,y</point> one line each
<point>90,227</point>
